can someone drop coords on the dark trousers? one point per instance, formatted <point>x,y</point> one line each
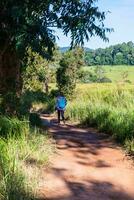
<point>61,115</point>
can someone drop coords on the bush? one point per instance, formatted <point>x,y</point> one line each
<point>35,120</point>
<point>105,80</point>
<point>29,98</point>
<point>85,76</point>
<point>128,81</point>
<point>9,104</point>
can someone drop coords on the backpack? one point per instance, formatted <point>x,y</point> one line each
<point>61,103</point>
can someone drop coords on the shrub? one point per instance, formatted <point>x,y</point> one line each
<point>29,98</point>
<point>105,80</point>
<point>35,120</point>
<point>9,104</point>
<point>128,81</point>
<point>85,76</point>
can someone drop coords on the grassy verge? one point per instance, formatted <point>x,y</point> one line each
<point>108,107</point>
<point>22,154</point>
<point>115,73</point>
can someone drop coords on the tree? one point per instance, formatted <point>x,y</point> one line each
<point>118,59</point>
<point>120,54</point>
<point>39,72</point>
<point>67,73</point>
<point>36,73</point>
<point>30,23</point>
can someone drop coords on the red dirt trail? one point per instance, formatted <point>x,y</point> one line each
<point>87,166</point>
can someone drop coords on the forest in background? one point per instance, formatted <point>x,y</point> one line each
<point>120,54</point>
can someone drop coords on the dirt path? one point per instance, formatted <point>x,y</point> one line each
<point>87,166</point>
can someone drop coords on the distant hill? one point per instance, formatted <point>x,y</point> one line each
<point>64,49</point>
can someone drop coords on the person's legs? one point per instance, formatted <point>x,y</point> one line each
<point>62,115</point>
<point>58,111</point>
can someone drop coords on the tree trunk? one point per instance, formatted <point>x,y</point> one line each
<point>46,85</point>
<point>10,80</point>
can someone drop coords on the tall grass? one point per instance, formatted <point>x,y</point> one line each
<point>21,156</point>
<point>108,107</point>
<point>12,127</point>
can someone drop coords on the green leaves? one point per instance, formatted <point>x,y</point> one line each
<point>35,73</point>
<point>120,54</point>
<point>30,22</point>
<point>67,73</point>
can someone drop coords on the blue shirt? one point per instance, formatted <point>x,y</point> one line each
<point>61,103</point>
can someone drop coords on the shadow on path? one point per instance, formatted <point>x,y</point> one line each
<point>87,166</point>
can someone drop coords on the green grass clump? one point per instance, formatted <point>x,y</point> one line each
<point>108,107</point>
<point>129,145</point>
<point>21,159</point>
<point>12,127</point>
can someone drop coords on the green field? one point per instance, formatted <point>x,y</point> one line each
<point>115,73</point>
<point>109,107</point>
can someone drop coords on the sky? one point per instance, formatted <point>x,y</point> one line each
<point>121,18</point>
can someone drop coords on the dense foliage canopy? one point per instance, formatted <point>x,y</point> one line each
<point>30,22</point>
<point>120,54</point>
<point>68,71</point>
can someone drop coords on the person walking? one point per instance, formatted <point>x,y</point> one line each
<point>61,103</point>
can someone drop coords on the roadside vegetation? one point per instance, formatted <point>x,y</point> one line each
<point>108,107</point>
<point>108,73</point>
<point>24,151</point>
